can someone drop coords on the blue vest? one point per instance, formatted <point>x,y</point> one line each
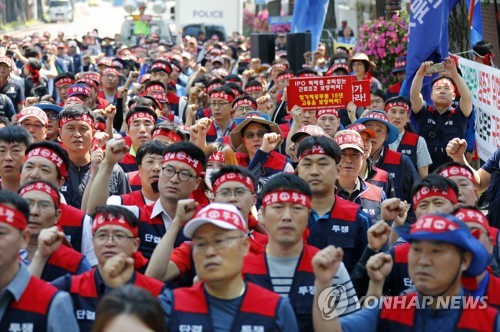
<point>408,147</point>
<point>402,172</point>
<point>344,228</point>
<point>257,311</point>
<point>62,262</point>
<point>32,308</point>
<point>398,279</point>
<point>301,295</point>
<point>88,288</point>
<point>152,230</point>
<point>71,223</point>
<point>438,129</point>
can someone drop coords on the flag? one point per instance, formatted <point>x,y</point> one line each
<point>309,15</point>
<point>427,40</point>
<point>475,21</point>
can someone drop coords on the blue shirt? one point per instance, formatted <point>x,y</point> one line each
<point>492,166</point>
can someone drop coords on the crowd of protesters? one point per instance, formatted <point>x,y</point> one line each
<point>170,188</point>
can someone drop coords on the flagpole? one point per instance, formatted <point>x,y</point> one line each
<point>472,4</point>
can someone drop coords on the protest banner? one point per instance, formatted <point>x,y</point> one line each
<point>312,93</point>
<point>484,84</point>
<point>361,93</point>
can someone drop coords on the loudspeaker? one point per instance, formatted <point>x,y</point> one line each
<point>262,46</point>
<point>296,45</point>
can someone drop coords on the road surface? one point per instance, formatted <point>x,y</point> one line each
<point>106,18</point>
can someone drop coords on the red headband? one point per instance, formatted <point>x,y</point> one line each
<point>65,80</point>
<point>95,77</point>
<point>254,88</point>
<point>399,103</point>
<point>51,156</point>
<point>217,156</point>
<point>43,187</point>
<point>470,215</point>
<point>221,95</point>
<point>140,115</point>
<point>328,111</point>
<point>155,88</point>
<point>286,196</point>
<point>212,86</point>
<point>457,171</point>
<point>237,177</point>
<point>84,117</point>
<point>73,99</point>
<point>426,192</point>
<point>168,134</point>
<point>12,217</point>
<point>316,149</point>
<point>106,219</point>
<point>285,76</point>
<point>162,66</point>
<point>183,157</point>
<point>243,102</point>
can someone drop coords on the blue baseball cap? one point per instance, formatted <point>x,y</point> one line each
<point>381,116</point>
<point>49,107</point>
<point>449,229</point>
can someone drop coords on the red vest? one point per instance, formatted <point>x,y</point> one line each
<point>258,309</point>
<point>134,198</point>
<point>402,318</point>
<point>63,261</point>
<point>32,308</point>
<point>71,223</point>
<point>128,163</point>
<point>134,180</point>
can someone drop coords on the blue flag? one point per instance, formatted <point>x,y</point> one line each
<point>309,15</point>
<point>476,29</point>
<point>427,40</point>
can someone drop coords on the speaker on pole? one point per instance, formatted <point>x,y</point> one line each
<point>296,45</point>
<point>263,46</point>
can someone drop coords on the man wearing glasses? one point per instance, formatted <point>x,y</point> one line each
<point>182,171</point>
<point>116,239</point>
<point>223,301</point>
<point>34,120</point>
<point>44,201</point>
<point>231,185</point>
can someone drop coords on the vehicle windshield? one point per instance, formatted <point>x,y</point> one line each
<point>58,3</point>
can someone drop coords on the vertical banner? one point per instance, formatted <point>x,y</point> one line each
<point>484,84</point>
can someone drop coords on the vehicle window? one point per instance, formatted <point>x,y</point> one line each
<point>58,3</point>
<point>191,31</point>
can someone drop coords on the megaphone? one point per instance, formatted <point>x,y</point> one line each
<point>159,7</point>
<point>130,6</point>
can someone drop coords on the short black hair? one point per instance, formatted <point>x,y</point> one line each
<point>451,164</point>
<point>234,86</point>
<point>117,211</point>
<point>64,75</point>
<point>306,71</point>
<point>153,147</point>
<point>434,181</point>
<point>253,82</point>
<point>287,181</point>
<point>398,99</point>
<point>190,149</point>
<point>15,134</point>
<point>44,182</point>
<point>231,78</point>
<point>482,48</point>
<point>76,110</point>
<point>245,97</point>
<point>224,89</point>
<point>233,169</point>
<point>18,202</point>
<point>5,120</point>
<point>140,109</point>
<point>162,61</point>
<point>379,93</point>
<point>57,148</point>
<point>331,148</point>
